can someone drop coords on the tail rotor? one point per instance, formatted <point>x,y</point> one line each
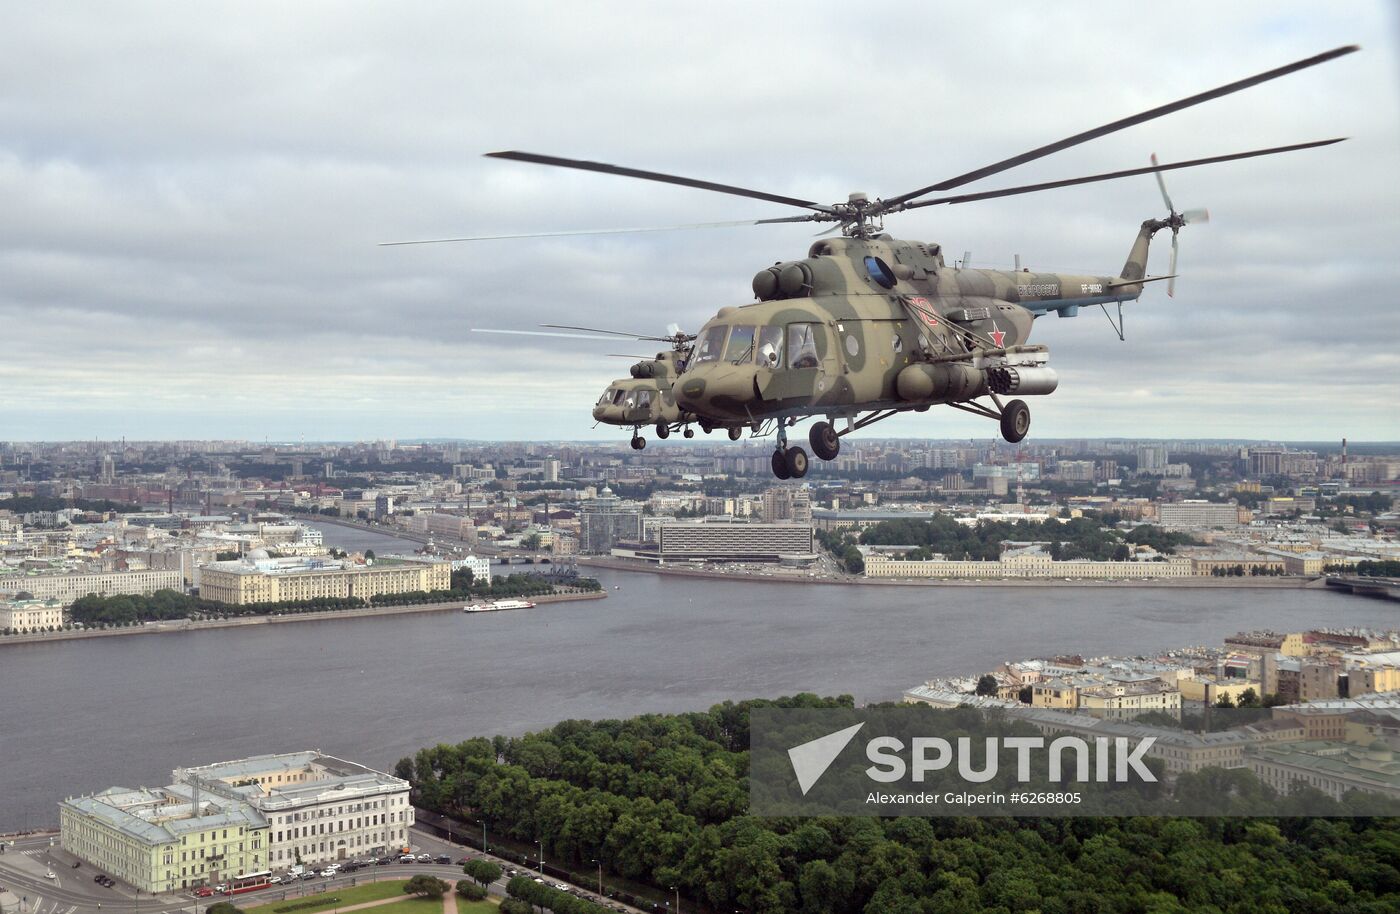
<point>1175,221</point>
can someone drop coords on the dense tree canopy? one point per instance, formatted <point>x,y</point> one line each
<point>1079,537</point>
<point>663,799</point>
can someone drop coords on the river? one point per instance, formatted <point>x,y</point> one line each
<point>79,716</point>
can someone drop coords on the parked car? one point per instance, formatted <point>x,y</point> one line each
<point>309,874</point>
<point>97,878</point>
<point>442,858</point>
<point>408,858</point>
<point>425,858</point>
<point>384,861</point>
<point>274,880</point>
<point>328,873</point>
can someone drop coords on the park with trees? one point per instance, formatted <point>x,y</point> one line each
<point>662,799</point>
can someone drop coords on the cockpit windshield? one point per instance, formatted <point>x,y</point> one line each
<point>606,398</point>
<point>740,347</point>
<point>711,345</point>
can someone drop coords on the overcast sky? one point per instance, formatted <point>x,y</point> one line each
<point>191,197</point>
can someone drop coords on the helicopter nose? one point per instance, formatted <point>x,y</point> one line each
<point>717,391</point>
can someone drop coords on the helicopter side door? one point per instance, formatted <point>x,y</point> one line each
<point>803,363</point>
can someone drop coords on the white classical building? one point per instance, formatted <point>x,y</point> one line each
<point>480,567</point>
<point>318,808</point>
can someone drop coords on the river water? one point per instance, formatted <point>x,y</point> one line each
<point>79,716</point>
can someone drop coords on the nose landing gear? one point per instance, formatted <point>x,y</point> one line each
<point>638,442</point>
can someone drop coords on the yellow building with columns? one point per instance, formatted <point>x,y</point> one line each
<point>259,579</point>
<point>165,839</point>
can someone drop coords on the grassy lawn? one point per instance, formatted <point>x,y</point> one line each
<point>478,907</point>
<point>410,906</point>
<point>325,901</point>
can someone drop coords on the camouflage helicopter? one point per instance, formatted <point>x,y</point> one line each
<point>867,326</point>
<point>646,398</point>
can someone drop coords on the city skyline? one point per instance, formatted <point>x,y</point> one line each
<point>194,210</point>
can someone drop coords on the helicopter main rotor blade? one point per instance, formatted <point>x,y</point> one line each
<point>1123,123</point>
<point>621,231</point>
<point>568,336</point>
<point>630,336</point>
<point>618,170</point>
<point>1109,176</point>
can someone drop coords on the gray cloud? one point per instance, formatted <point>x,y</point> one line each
<point>194,193</point>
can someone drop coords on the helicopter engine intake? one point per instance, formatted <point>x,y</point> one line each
<point>1026,380</point>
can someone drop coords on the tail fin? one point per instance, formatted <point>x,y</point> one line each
<point>1136,265</point>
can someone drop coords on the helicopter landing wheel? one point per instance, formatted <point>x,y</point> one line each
<point>780,466</point>
<point>1015,420</point>
<point>826,444</point>
<point>638,442</point>
<point>689,432</point>
<point>736,432</point>
<point>796,461</point>
<point>706,427</point>
<point>663,431</point>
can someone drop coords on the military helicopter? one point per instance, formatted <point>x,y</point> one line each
<point>647,397</point>
<point>867,326</point>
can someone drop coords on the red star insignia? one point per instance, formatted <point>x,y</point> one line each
<point>997,337</point>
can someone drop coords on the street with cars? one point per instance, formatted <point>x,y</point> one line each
<point>38,877</point>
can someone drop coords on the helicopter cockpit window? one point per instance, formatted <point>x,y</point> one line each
<point>711,344</point>
<point>802,346</point>
<point>617,396</point>
<point>631,401</point>
<point>644,399</point>
<point>607,397</point>
<point>770,346</point>
<point>740,346</point>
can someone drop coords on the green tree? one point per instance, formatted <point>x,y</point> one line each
<point>470,890</point>
<point>531,542</point>
<point>483,871</point>
<point>986,684</point>
<point>425,886</point>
